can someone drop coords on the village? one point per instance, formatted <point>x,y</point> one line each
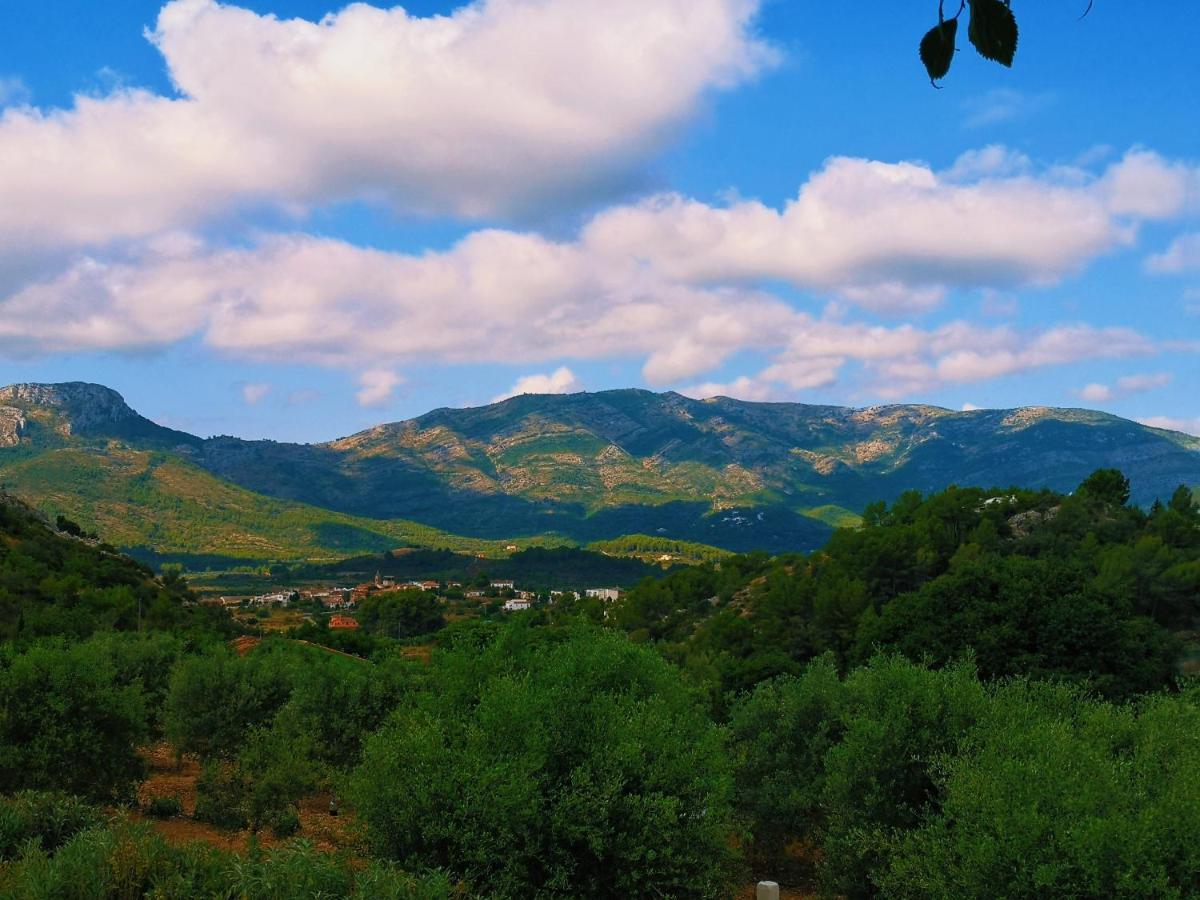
<point>336,606</point>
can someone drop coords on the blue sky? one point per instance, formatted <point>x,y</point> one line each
<point>294,220</point>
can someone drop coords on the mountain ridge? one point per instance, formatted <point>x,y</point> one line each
<point>597,465</point>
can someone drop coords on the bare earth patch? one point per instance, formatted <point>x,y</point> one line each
<point>171,778</point>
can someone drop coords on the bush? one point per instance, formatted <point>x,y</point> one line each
<point>127,860</point>
<point>164,807</point>
<point>1060,796</point>
<point>215,699</point>
<point>68,723</point>
<point>844,763</point>
<point>553,762</point>
<point>47,818</point>
<point>221,796</point>
<point>284,823</point>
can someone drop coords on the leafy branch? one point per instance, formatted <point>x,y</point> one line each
<point>991,29</point>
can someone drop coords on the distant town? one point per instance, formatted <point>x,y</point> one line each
<point>337,605</point>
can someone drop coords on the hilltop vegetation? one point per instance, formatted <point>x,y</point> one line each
<point>974,694</point>
<point>55,584</point>
<point>1081,588</point>
<point>548,469</point>
<point>165,506</point>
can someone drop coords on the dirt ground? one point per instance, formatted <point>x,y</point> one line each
<point>784,894</point>
<point>171,778</point>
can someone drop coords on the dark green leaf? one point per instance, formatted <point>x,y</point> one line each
<point>993,30</point>
<point>937,49</point>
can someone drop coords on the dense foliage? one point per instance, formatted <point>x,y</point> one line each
<point>54,582</point>
<point>1080,588</point>
<point>974,694</point>
<point>919,783</point>
<point>51,846</point>
<point>565,763</point>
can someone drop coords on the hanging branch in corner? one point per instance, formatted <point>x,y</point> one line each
<point>991,29</point>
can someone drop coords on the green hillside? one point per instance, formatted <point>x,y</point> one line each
<point>153,499</point>
<point>549,469</point>
<point>52,583</point>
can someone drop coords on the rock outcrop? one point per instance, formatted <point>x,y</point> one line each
<point>12,426</point>
<point>84,407</point>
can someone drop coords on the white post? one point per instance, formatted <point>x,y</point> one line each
<point>767,890</point>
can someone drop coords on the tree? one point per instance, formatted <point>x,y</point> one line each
<point>1058,796</point>
<point>67,723</point>
<point>1108,486</point>
<point>567,762</point>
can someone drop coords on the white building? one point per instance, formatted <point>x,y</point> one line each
<point>609,593</point>
<point>516,604</point>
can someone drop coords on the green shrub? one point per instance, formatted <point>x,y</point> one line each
<point>221,796</point>
<point>215,699</point>
<point>68,723</point>
<point>164,807</point>
<point>1060,796</point>
<point>553,762</point>
<point>47,818</point>
<point>130,860</point>
<point>284,823</point>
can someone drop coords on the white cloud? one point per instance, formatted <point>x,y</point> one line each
<point>1124,387</point>
<point>888,236</point>
<point>969,407</point>
<point>561,381</point>
<point>1171,423</point>
<point>973,354</point>
<point>670,282</point>
<point>254,394</point>
<point>741,388</point>
<point>1146,186</point>
<point>376,387</point>
<point>501,106</point>
<point>13,92</point>
<point>1183,255</point>
<point>1095,393</point>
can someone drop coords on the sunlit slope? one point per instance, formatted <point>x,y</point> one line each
<point>584,467</point>
<point>156,500</point>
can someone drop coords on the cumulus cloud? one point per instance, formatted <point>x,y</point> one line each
<point>895,236</point>
<point>741,388</point>
<point>561,381</point>
<point>376,387</point>
<point>253,394</point>
<point>906,361</point>
<point>1182,256</point>
<point>501,106</point>
<point>1145,185</point>
<point>970,407</point>
<point>674,283</point>
<point>1124,387</point>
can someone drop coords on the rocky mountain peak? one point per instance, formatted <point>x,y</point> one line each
<point>85,406</point>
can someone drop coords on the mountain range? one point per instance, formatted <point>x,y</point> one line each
<point>570,468</point>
